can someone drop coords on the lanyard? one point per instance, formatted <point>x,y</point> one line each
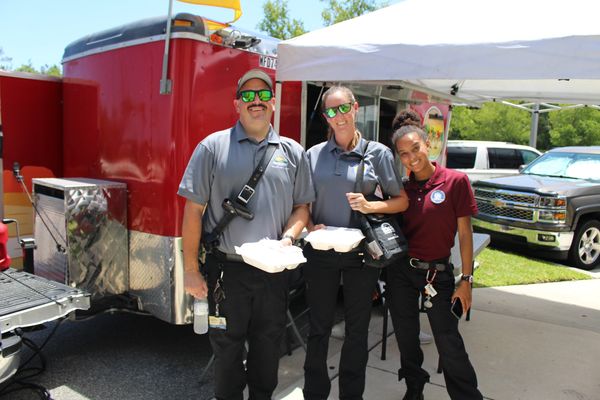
<point>428,289</point>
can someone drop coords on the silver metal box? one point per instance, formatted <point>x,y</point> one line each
<point>81,234</point>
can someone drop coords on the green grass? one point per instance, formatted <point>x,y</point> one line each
<point>500,268</point>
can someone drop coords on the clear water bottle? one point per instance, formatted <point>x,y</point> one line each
<point>201,316</point>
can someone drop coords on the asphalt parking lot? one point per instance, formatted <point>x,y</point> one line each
<point>121,356</point>
<point>132,356</point>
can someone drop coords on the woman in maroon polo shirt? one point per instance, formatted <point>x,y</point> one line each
<point>441,203</point>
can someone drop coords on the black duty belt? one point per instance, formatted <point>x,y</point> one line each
<point>219,255</point>
<point>440,265</point>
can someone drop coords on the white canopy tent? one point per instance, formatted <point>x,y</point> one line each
<point>543,51</point>
<point>467,51</point>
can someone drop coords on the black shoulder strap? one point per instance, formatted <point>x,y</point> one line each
<point>239,208</point>
<point>361,169</point>
<point>248,190</point>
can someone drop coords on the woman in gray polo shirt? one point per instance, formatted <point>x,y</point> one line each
<point>334,164</point>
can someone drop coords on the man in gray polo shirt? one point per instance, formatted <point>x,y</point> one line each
<point>252,303</point>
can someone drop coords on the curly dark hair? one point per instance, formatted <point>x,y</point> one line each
<point>406,117</point>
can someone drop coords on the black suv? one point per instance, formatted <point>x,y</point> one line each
<point>553,205</point>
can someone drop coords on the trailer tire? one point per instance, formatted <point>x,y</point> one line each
<point>585,249</point>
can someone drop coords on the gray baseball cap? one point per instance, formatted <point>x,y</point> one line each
<point>254,74</point>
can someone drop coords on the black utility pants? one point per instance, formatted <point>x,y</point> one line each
<point>322,276</point>
<point>255,307</point>
<point>403,286</point>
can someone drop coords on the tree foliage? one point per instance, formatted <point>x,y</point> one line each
<point>571,127</point>
<point>53,70</point>
<point>277,23</point>
<point>338,11</point>
<point>493,121</point>
<point>575,127</point>
<point>27,68</point>
<point>6,64</point>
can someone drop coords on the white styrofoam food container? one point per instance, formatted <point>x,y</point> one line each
<point>340,239</point>
<point>270,255</point>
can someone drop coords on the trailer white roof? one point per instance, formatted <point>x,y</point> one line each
<point>481,50</point>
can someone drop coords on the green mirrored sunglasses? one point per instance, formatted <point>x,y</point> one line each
<point>342,108</point>
<point>249,95</point>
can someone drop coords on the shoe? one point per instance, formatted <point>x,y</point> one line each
<point>414,389</point>
<point>425,338</point>
<point>413,396</point>
<point>338,331</point>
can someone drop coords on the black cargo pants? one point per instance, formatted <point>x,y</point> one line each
<point>404,285</point>
<point>322,275</point>
<point>255,307</point>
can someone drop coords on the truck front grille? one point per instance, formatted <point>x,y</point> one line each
<point>506,204</point>
<point>512,213</point>
<point>515,197</point>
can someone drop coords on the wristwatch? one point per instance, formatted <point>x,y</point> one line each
<point>288,237</point>
<point>468,278</point>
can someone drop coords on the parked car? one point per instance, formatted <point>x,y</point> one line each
<point>553,205</point>
<point>486,159</point>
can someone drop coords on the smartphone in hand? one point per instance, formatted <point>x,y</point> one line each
<point>456,308</point>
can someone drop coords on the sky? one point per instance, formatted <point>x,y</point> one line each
<point>38,31</point>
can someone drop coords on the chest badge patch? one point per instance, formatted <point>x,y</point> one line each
<point>280,162</point>
<point>438,196</point>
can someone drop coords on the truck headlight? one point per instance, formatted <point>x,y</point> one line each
<point>552,216</point>
<point>553,202</point>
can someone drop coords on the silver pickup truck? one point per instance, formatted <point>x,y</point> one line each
<point>553,206</point>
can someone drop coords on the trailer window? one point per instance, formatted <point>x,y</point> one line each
<point>387,111</point>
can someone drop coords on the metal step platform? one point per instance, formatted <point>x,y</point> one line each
<point>27,300</point>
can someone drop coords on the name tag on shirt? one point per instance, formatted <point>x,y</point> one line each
<point>378,193</point>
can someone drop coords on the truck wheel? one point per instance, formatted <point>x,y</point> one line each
<point>585,249</point>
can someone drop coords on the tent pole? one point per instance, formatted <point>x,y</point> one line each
<point>446,134</point>
<point>535,118</point>
<point>278,94</point>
